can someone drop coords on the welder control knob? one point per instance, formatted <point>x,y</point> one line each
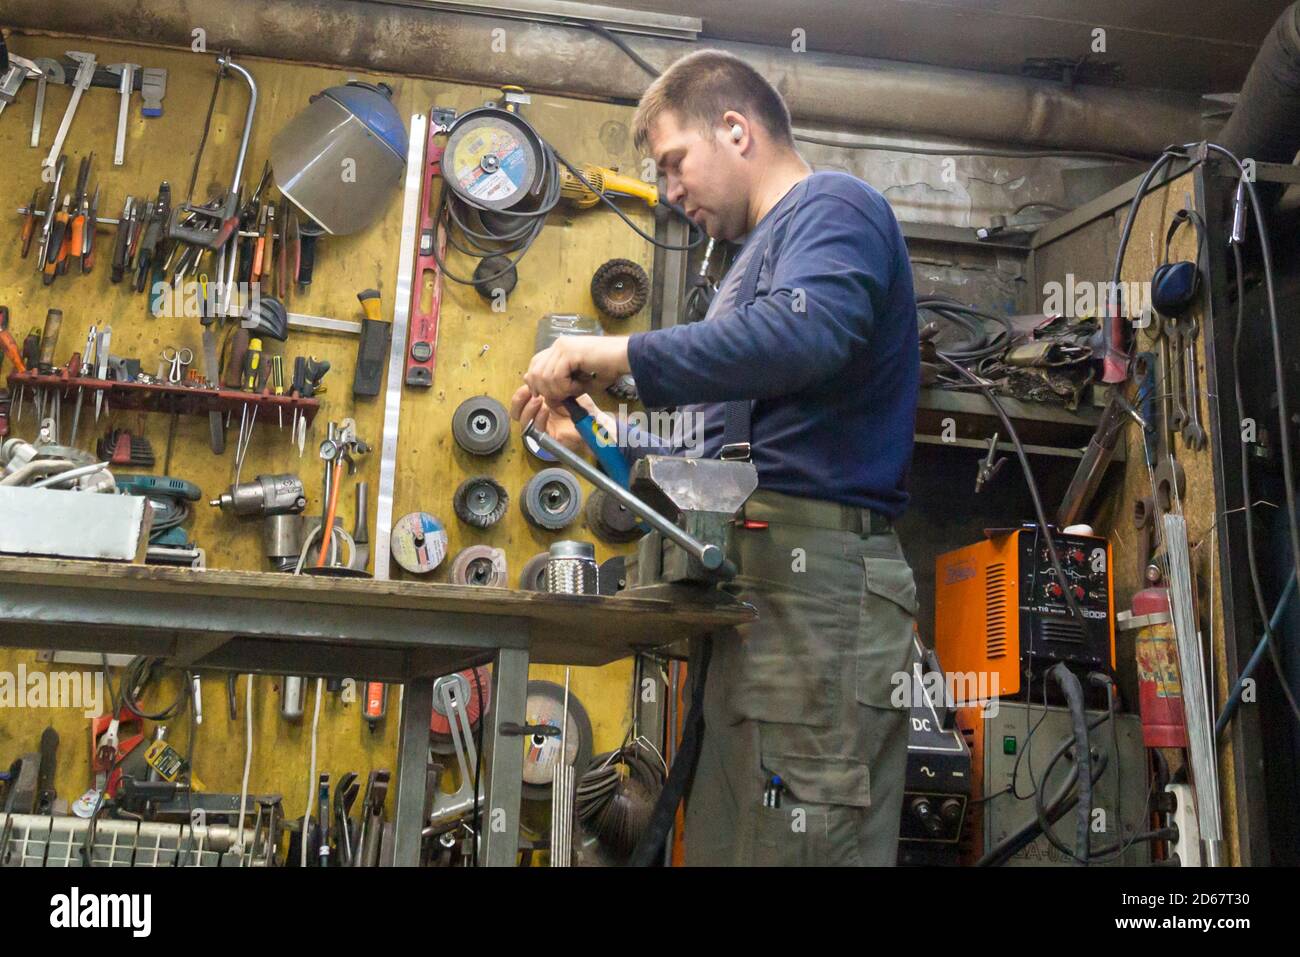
<point>1054,589</point>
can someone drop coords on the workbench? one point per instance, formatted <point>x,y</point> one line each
<point>403,633</point>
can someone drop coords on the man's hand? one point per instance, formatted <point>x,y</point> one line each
<point>576,364</point>
<point>526,407</point>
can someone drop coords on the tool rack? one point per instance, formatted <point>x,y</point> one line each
<point>406,633</point>
<point>165,397</point>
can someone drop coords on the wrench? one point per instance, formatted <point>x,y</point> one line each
<point>1194,436</point>
<point>1174,333</point>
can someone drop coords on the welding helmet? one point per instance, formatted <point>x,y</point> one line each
<point>341,159</point>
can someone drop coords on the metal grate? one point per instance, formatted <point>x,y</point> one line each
<point>995,610</point>
<point>32,840</point>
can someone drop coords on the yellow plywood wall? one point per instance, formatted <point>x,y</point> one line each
<point>479,351</point>
<point>1145,252</point>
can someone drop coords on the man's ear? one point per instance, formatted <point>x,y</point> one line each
<point>736,130</point>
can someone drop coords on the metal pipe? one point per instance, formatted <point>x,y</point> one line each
<point>821,89</point>
<point>225,62</point>
<point>710,556</point>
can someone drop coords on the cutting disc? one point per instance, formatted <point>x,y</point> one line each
<point>546,706</point>
<point>492,159</point>
<point>463,688</point>
<point>419,542</point>
<point>480,565</point>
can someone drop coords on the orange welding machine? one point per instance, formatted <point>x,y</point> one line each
<point>1001,612</point>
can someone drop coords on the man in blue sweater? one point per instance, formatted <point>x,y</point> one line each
<point>807,364</point>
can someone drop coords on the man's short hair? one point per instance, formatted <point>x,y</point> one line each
<point>702,86</point>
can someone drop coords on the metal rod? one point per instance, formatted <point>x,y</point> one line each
<point>397,349</point>
<point>710,556</point>
<point>1196,701</point>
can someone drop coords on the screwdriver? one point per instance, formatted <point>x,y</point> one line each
<point>29,224</point>
<point>88,237</point>
<point>7,343</point>
<point>277,383</point>
<point>50,339</point>
<point>252,366</point>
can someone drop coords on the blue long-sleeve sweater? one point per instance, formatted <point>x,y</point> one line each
<point>828,348</point>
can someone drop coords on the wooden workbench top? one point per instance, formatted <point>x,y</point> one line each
<point>213,602</point>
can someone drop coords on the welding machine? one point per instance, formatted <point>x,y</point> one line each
<point>1001,611</point>
<point>937,786</point>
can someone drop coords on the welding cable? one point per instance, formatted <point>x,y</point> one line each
<point>1234,700</point>
<point>311,775</point>
<point>1061,804</point>
<point>1270,622</point>
<point>980,343</point>
<point>248,763</point>
<point>1049,539</point>
<point>1119,848</point>
<point>1279,371</point>
<point>1069,684</point>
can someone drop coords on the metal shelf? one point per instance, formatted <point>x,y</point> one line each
<point>1044,429</point>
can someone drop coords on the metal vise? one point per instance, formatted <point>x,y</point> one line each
<point>701,497</point>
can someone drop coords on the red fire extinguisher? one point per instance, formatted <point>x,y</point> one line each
<point>1160,689</point>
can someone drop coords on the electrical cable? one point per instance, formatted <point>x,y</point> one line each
<point>478,761</point>
<point>701,237</point>
<point>311,775</point>
<point>1252,560</point>
<point>979,344</point>
<point>135,678</point>
<point>987,389</point>
<point>1234,699</point>
<point>248,763</point>
<point>1073,691</point>
<point>1061,804</point>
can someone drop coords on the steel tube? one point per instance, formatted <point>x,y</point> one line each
<point>821,89</point>
<point>710,556</point>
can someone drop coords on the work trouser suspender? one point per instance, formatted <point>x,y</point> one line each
<point>738,415</point>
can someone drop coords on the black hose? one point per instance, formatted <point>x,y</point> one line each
<point>650,849</point>
<point>1073,691</point>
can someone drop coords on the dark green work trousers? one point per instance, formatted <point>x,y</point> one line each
<point>803,695</point>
